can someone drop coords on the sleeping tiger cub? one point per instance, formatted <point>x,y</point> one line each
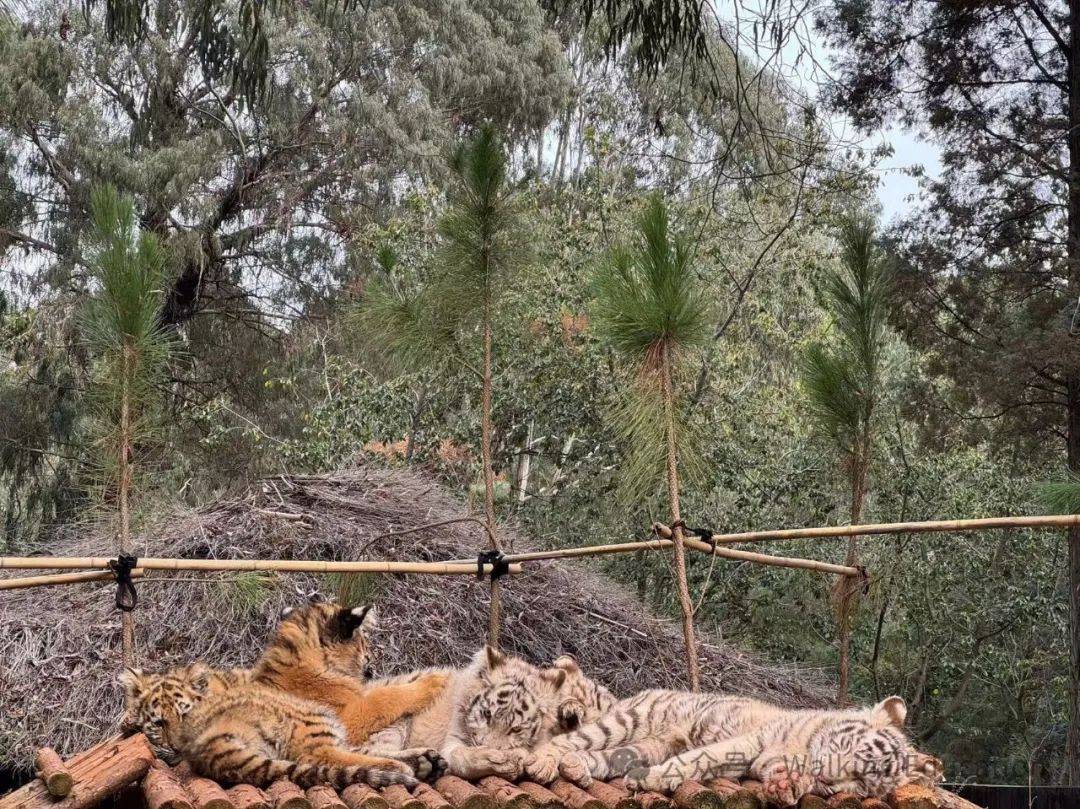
<point>792,752</point>
<point>303,701</point>
<point>236,731</point>
<point>494,711</point>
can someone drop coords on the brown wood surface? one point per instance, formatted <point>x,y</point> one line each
<point>398,797</point>
<point>914,796</point>
<point>245,796</point>
<point>430,797</point>
<point>162,789</point>
<point>654,800</point>
<point>813,802</point>
<point>361,796</point>
<point>613,796</point>
<point>542,797</point>
<point>845,800</point>
<point>287,795</point>
<point>745,797</point>
<point>463,795</point>
<point>573,796</point>
<point>692,795</point>
<point>874,803</point>
<point>53,772</point>
<point>97,773</point>
<point>205,794</point>
<point>505,794</point>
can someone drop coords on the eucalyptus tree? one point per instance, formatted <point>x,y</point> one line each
<point>652,310</point>
<point>482,248</point>
<point>844,385</point>
<point>122,327</point>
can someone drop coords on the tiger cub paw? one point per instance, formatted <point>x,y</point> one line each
<point>785,783</point>
<point>571,714</point>
<point>543,767</point>
<point>652,779</point>
<point>426,764</point>
<point>574,769</point>
<point>377,777</point>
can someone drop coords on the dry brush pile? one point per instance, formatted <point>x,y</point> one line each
<point>60,647</point>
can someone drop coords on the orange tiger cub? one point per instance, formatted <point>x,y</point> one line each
<point>236,731</point>
<point>320,653</point>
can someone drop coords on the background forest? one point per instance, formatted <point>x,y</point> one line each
<point>279,212</point>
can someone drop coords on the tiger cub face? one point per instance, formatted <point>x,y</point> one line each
<point>869,754</point>
<point>323,636</point>
<point>156,703</point>
<point>515,705</point>
<point>581,699</point>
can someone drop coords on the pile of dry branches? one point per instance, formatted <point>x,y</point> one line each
<point>60,647</point>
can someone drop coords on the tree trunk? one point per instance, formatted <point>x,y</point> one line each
<point>848,586</point>
<point>681,583</point>
<point>1072,381</point>
<point>521,479</point>
<point>495,616</point>
<point>414,426</point>
<point>124,470</point>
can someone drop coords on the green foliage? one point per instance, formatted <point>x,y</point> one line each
<point>843,382</point>
<point>648,302</point>
<point>1060,496</point>
<point>121,324</point>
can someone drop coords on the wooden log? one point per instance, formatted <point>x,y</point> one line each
<point>506,795</point>
<point>463,795</point>
<point>914,796</point>
<point>162,789</point>
<point>573,796</point>
<point>542,797</point>
<point>398,797</point>
<point>245,796</point>
<point>321,796</point>
<point>692,795</point>
<point>613,797</point>
<point>844,800</point>
<point>813,802</point>
<point>430,797</point>
<point>287,795</point>
<point>654,800</point>
<point>205,794</point>
<point>747,795</point>
<point>950,800</point>
<point>361,796</point>
<point>723,786</point>
<point>52,772</point>
<point>97,773</point>
<point>874,803</point>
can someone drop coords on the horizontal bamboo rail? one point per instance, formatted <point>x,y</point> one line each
<point>280,565</point>
<point>940,526</point>
<point>761,558</point>
<point>61,578</point>
<point>697,544</point>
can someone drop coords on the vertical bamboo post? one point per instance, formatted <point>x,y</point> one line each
<point>682,585</point>
<point>495,615</point>
<point>127,621</point>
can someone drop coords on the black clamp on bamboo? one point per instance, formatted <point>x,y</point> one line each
<point>499,566</point>
<point>126,596</point>
<point>704,534</point>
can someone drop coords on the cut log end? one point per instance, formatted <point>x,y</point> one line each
<point>813,802</point>
<point>399,798</point>
<point>914,796</point>
<point>245,796</point>
<point>463,795</point>
<point>692,795</point>
<point>53,772</point>
<point>506,795</point>
<point>361,796</point>
<point>430,797</point>
<point>542,797</point>
<point>845,800</point>
<point>162,789</point>
<point>574,797</point>
<point>287,795</point>
<point>613,796</point>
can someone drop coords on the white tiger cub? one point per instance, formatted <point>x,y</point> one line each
<point>659,739</point>
<point>493,711</point>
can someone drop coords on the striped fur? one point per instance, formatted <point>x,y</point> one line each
<point>659,739</point>
<point>236,731</point>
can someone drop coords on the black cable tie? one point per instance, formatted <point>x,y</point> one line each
<point>499,565</point>
<point>126,596</point>
<point>704,534</point>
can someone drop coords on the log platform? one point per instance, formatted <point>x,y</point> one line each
<point>127,766</point>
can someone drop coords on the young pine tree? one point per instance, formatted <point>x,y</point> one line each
<point>482,248</point>
<point>121,327</point>
<point>651,310</point>
<point>844,384</point>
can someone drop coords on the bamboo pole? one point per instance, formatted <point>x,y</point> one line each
<point>282,565</point>
<point>929,526</point>
<point>61,578</point>
<point>761,558</point>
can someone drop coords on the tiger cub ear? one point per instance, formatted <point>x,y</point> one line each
<point>490,658</point>
<point>567,663</point>
<point>131,680</point>
<point>352,619</point>
<point>555,677</point>
<point>286,612</point>
<point>198,677</point>
<point>890,711</point>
